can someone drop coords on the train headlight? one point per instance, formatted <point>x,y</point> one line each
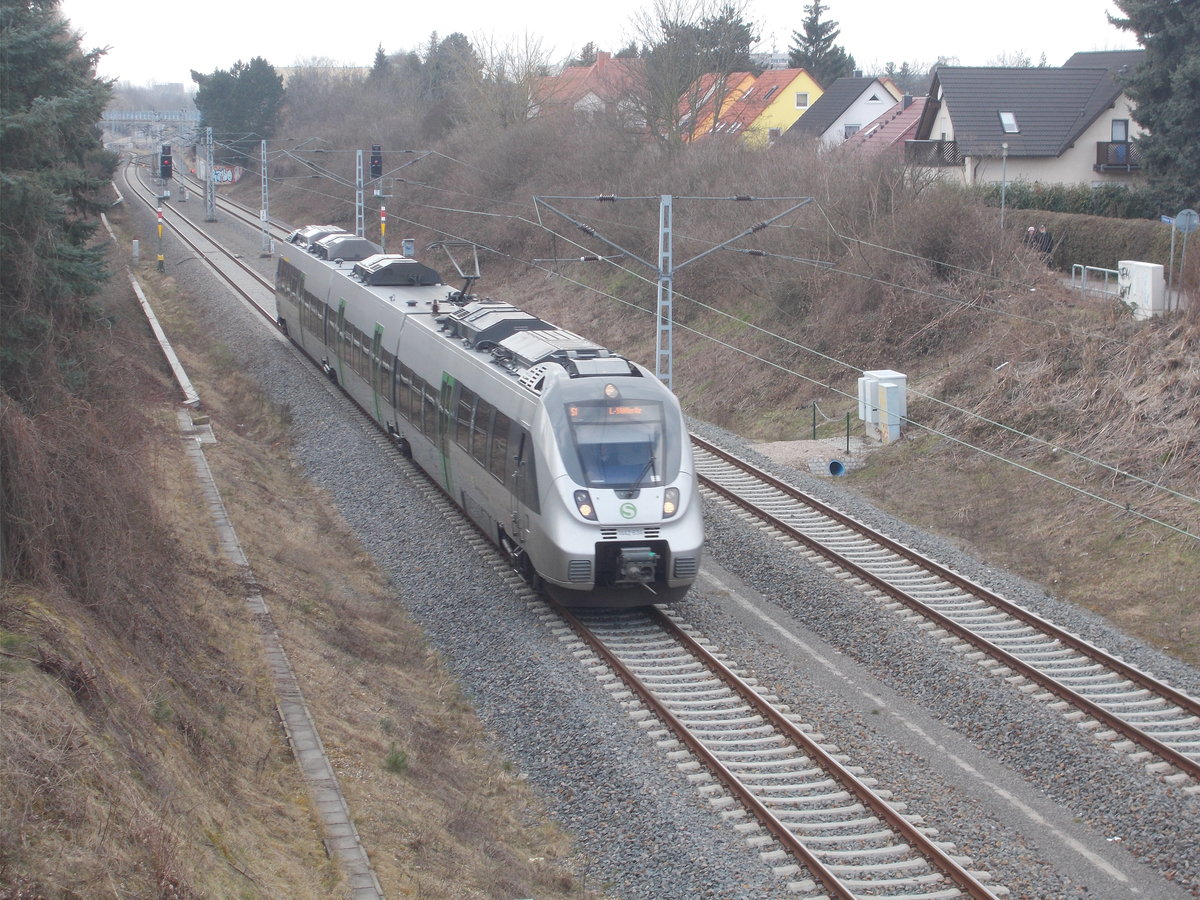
<point>670,502</point>
<point>611,392</point>
<point>583,502</point>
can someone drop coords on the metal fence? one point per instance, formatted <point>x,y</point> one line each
<point>1094,280</point>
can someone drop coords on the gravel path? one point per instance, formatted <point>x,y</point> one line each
<point>1044,807</point>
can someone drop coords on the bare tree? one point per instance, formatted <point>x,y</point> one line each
<point>502,89</point>
<point>691,49</point>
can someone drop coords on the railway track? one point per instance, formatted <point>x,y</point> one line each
<point>788,791</point>
<point>1096,689</point>
<point>810,808</point>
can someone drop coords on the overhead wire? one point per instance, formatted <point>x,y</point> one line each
<point>802,347</point>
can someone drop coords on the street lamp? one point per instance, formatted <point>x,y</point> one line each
<point>1003,179</point>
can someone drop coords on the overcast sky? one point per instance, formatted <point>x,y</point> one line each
<point>149,45</point>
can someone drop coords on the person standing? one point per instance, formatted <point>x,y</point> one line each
<point>1044,242</point>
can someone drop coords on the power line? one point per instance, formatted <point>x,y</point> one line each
<point>812,351</point>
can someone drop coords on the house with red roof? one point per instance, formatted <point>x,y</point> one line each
<point>602,89</point>
<point>707,99</point>
<point>888,133</point>
<point>769,106</point>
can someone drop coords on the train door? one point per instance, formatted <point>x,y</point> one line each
<point>445,426</point>
<point>377,371</point>
<point>339,339</point>
<point>520,521</point>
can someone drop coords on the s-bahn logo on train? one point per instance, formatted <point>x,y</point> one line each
<point>629,510</point>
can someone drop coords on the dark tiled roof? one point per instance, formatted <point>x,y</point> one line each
<point>831,104</point>
<point>1116,60</point>
<point>1052,107</point>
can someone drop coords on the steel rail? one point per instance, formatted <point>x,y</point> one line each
<point>1113,721</point>
<point>929,850</point>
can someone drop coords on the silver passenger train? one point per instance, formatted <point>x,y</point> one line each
<point>575,460</point>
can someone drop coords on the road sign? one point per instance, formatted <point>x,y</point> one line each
<point>1187,221</point>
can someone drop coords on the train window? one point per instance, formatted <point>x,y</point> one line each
<point>341,330</point>
<point>429,411</point>
<point>378,370</point>
<point>528,484</point>
<point>480,430</point>
<point>414,399</point>
<point>289,278</point>
<point>462,424</point>
<point>404,391</point>
<point>498,462</point>
<point>619,445</point>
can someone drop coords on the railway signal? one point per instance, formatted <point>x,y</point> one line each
<point>376,161</point>
<point>164,163</point>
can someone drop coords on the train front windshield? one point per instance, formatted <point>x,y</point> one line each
<point>621,445</point>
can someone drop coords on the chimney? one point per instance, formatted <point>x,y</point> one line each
<point>907,101</point>
<point>602,56</point>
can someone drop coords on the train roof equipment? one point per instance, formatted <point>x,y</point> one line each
<point>393,270</point>
<point>525,345</point>
<point>308,235</point>
<point>346,247</point>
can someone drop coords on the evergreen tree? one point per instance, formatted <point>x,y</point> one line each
<point>1164,90</point>
<point>450,70</point>
<point>683,45</point>
<point>381,68</point>
<point>52,164</point>
<point>586,57</point>
<point>725,40</point>
<point>814,49</point>
<point>241,105</point>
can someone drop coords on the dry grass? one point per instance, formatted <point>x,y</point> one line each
<point>1015,347</point>
<point>148,760</point>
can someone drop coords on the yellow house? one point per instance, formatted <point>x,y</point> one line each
<point>707,99</point>
<point>769,106</point>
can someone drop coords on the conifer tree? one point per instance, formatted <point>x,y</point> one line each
<point>814,49</point>
<point>52,164</point>
<point>241,105</point>
<point>1164,89</point>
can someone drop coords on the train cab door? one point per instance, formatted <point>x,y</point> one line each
<point>520,521</point>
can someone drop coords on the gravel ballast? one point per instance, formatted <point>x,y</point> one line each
<point>643,830</point>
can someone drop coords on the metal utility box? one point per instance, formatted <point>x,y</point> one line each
<point>1142,287</point>
<point>883,403</point>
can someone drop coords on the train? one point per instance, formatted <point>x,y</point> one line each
<point>574,460</point>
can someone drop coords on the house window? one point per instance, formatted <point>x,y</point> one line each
<point>848,130</point>
<point>1008,121</point>
<point>773,134</point>
<point>802,100</point>
<point>1120,131</point>
<point>874,98</point>
<point>768,94</point>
